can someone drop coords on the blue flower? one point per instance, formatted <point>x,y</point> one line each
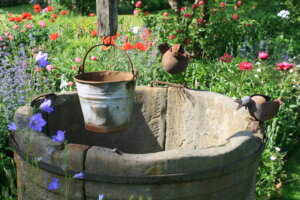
<point>37,122</point>
<point>12,126</point>
<point>54,185</point>
<point>101,196</point>
<point>41,59</point>
<point>79,175</point>
<point>46,106</point>
<point>59,137</point>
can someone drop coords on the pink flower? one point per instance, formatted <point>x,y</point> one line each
<point>42,23</point>
<point>285,66</point>
<point>239,3</point>
<point>93,58</point>
<point>201,2</point>
<point>70,83</point>
<point>78,59</point>
<point>263,55</point>
<point>1,38</point>
<point>138,4</point>
<point>49,68</point>
<point>172,37</point>
<point>226,58</point>
<point>15,27</point>
<point>182,9</point>
<point>166,14</point>
<point>136,12</point>
<point>73,67</point>
<point>11,37</point>
<point>245,66</point>
<point>201,21</point>
<point>223,5</point>
<point>38,69</point>
<point>235,17</point>
<point>187,15</point>
<point>235,7</point>
<point>28,26</point>
<point>194,6</point>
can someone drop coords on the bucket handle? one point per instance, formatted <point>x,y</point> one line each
<point>81,67</point>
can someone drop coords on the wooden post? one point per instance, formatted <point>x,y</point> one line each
<point>107,14</point>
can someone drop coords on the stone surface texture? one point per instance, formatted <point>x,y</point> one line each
<point>181,145</point>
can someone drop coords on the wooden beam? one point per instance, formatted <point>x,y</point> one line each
<point>107,15</point>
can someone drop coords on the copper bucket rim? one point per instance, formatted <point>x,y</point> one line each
<point>81,68</point>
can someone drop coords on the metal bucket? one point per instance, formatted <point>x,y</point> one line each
<point>106,97</point>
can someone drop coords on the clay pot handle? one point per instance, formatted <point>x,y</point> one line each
<point>175,49</point>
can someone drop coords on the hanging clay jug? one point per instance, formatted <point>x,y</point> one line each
<point>175,60</point>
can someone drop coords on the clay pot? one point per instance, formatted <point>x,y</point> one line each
<point>175,60</point>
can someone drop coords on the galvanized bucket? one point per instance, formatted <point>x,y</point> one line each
<point>106,97</point>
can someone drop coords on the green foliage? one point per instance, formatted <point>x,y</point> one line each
<point>232,36</point>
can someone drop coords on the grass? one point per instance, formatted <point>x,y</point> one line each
<point>291,187</point>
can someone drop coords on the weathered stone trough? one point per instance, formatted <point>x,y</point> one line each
<point>177,148</point>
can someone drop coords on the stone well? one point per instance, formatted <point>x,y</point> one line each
<point>180,145</point>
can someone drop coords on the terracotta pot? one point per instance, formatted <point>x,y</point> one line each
<point>175,60</point>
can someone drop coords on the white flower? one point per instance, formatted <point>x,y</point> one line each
<point>277,148</point>
<point>258,70</point>
<point>291,70</point>
<point>284,14</point>
<point>256,76</point>
<point>257,63</point>
<point>272,157</point>
<point>135,29</point>
<point>63,84</point>
<point>41,55</point>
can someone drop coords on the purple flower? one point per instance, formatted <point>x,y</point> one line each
<point>37,122</point>
<point>59,137</point>
<point>46,106</point>
<point>101,196</point>
<point>54,185</point>
<point>12,126</point>
<point>79,175</point>
<point>41,59</point>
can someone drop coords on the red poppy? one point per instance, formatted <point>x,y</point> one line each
<point>52,20</point>
<point>94,33</point>
<point>36,6</point>
<point>92,15</point>
<point>172,37</point>
<point>29,18</point>
<point>18,19</point>
<point>54,36</point>
<point>146,12</point>
<point>49,8</point>
<point>37,10</point>
<point>108,40</point>
<point>11,19</point>
<point>25,15</point>
<point>127,46</point>
<point>140,46</point>
<point>54,15</point>
<point>245,66</point>
<point>115,36</point>
<point>63,12</point>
